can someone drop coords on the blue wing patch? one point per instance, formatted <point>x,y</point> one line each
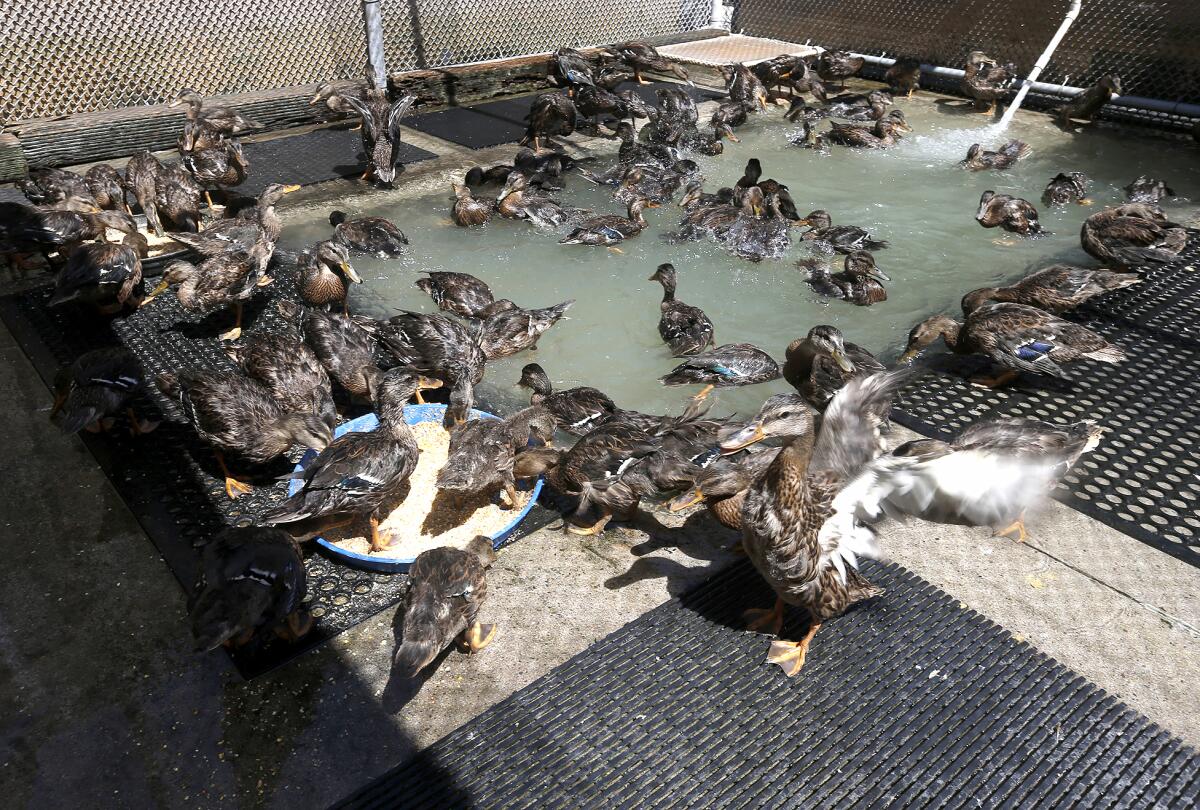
<point>610,233</point>
<point>725,371</point>
<point>1034,350</point>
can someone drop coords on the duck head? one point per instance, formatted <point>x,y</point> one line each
<point>783,415</point>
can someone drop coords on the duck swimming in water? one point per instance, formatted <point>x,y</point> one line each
<point>837,238</point>
<point>683,327</point>
<point>1013,214</point>
<point>1065,188</point>
<point>859,282</point>
<point>978,158</point>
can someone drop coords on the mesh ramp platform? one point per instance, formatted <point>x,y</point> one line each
<point>733,48</point>
<point>169,478</point>
<point>1144,478</point>
<point>909,700</point>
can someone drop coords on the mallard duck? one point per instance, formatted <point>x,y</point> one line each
<point>1147,190</point>
<point>544,162</point>
<point>1055,289</point>
<point>683,327</point>
<point>235,414</point>
<point>635,106</point>
<point>346,349</point>
<point>726,116</point>
<point>978,158</point>
<point>774,72</point>
<point>571,69</point>
<point>577,410</point>
<point>989,475</point>
<point>550,114</point>
<point>650,154</point>
<point>1013,214</point>
<point>1088,103</point>
<point>477,176</point>
<point>985,81</point>
<point>1132,234</point>
<point>608,229</point>
<point>821,363</point>
<point>240,234</point>
<point>904,76</point>
<point>381,131</point>
<point>290,370</point>
<point>177,198</point>
<point>733,364</point>
<point>359,472</point>
<point>107,187</point>
<point>641,56</point>
<point>250,579</point>
<point>457,293</point>
<point>49,229</point>
<point>95,387</point>
<point>141,177</point>
<point>859,282</point>
<point>786,509</point>
<point>723,484</point>
<point>1066,187</point>
<point>103,275</point>
<point>324,275</point>
<point>225,120</point>
<point>443,348</point>
<point>808,138</point>
<point>676,106</point>
<point>223,166</point>
<point>517,201</point>
<point>467,210</point>
<point>198,135</point>
<point>1017,338</point>
<point>592,102</point>
<point>800,110</point>
<point>49,186</point>
<point>446,588</point>
<point>715,220</point>
<point>840,238</point>
<point>694,196</point>
<point>652,184</point>
<point>766,236</point>
<point>376,235</point>
<point>884,135</point>
<point>334,98</point>
<point>508,329</point>
<point>835,65</point>
<point>860,108</point>
<point>480,460</point>
<point>610,77</point>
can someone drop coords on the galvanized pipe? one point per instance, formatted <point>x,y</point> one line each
<point>1041,63</point>
<point>373,19</point>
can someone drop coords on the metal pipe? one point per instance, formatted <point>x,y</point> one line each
<point>1041,63</point>
<point>373,19</point>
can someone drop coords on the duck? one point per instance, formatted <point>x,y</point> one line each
<point>723,484</point>
<point>859,108</point>
<point>225,120</point>
<point>291,371</point>
<point>446,588</point>
<point>837,65</point>
<point>1131,235</point>
<point>990,474</point>
<point>843,239</point>
<point>609,229</point>
<point>177,198</point>
<point>103,275</point>
<point>358,473</point>
<point>50,186</point>
<point>759,237</point>
<point>442,348</point>
<point>381,132</point>
<point>752,176</point>
<point>683,327</point>
<point>26,229</point>
<point>1066,187</point>
<point>820,364</point>
<point>550,115</point>
<point>324,275</point>
<point>774,72</point>
<point>716,219</point>
<point>577,410</point>
<point>726,116</point>
<point>346,350</point>
<point>592,102</point>
<point>237,415</point>
<point>377,235</point>
<point>883,135</point>
<point>808,138</point>
<point>695,197</point>
<point>1013,214</point>
<point>652,184</point>
<point>733,364</point>
<point>903,78</point>
<point>636,107</point>
<point>480,459</point>
<point>859,282</point>
<point>224,165</point>
<point>1054,289</point>
<point>508,329</point>
<point>477,176</point>
<point>251,579</point>
<point>649,154</point>
<point>985,81</point>
<point>743,86</point>
<point>240,234</point>
<point>467,210</point>
<point>141,177</point>
<point>800,110</point>
<point>545,161</point>
<point>978,158</point>
<point>333,97</point>
<point>641,56</point>
<point>612,76</point>
<point>107,187</point>
<point>457,293</point>
<point>1147,189</point>
<point>517,201</point>
<point>97,386</point>
<point>1088,103</point>
<point>1017,338</point>
<point>785,511</point>
<point>573,69</point>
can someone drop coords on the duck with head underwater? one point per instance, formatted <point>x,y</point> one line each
<point>859,282</point>
<point>1066,187</point>
<point>480,458</point>
<point>367,234</point>
<point>1013,214</point>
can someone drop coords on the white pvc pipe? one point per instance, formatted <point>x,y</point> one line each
<point>1041,63</point>
<point>373,21</point>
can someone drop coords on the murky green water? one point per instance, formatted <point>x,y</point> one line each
<point>914,195</point>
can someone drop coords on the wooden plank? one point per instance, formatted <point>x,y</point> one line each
<point>12,159</point>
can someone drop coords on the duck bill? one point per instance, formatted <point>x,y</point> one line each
<point>909,356</point>
<point>878,274</point>
<point>314,99</point>
<point>351,273</point>
<point>686,500</point>
<point>290,188</point>
<point>843,362</point>
<point>428,383</point>
<point>751,434</point>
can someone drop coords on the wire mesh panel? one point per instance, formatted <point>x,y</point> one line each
<point>67,56</point>
<point>1150,44</point>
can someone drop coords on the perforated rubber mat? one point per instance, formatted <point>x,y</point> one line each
<point>1144,478</point>
<point>910,700</point>
<point>170,479</point>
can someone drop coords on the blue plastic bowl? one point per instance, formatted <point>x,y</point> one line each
<point>413,414</point>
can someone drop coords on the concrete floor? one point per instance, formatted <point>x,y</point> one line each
<point>105,704</point>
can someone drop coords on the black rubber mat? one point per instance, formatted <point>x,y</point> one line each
<point>492,123</point>
<point>911,700</point>
<point>169,478</point>
<point>1144,478</point>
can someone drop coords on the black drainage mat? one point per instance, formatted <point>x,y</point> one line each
<point>1144,478</point>
<point>911,700</point>
<point>495,122</point>
<point>169,478</point>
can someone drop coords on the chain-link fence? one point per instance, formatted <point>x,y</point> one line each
<point>1150,44</point>
<point>67,56</point>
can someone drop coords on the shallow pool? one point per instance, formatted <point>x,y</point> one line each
<point>914,195</point>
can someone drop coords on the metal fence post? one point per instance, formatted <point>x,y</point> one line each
<point>374,23</point>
